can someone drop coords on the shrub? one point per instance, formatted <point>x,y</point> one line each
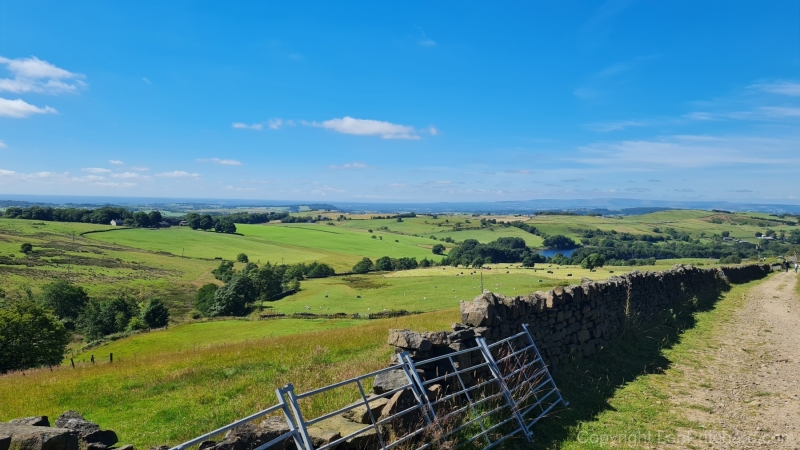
<point>155,314</point>
<point>64,298</point>
<point>363,266</point>
<point>438,249</point>
<point>136,324</point>
<point>26,248</point>
<point>242,258</point>
<point>204,300</point>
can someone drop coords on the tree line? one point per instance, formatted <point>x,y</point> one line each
<point>252,284</point>
<point>35,329</point>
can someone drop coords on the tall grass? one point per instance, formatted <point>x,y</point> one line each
<point>166,399</point>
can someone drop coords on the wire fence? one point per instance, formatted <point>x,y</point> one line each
<point>476,397</point>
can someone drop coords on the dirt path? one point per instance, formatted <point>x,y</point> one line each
<point>747,394</point>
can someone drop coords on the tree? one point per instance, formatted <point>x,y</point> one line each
<point>758,234</point>
<point>155,313</point>
<point>141,220</point>
<point>559,242</point>
<point>592,261</point>
<point>154,217</point>
<point>528,262</point>
<point>30,336</point>
<point>232,299</point>
<point>64,298</point>
<point>438,249</point>
<point>103,318</point>
<point>384,263</point>
<point>425,262</point>
<point>26,248</point>
<point>730,259</point>
<point>204,300</point>
<point>363,266</point>
<point>225,226</point>
<point>242,258</point>
<point>206,222</point>
<point>559,259</point>
<point>726,233</point>
<point>319,270</point>
<point>224,272</point>
<point>267,281</point>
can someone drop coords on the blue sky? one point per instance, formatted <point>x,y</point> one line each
<point>404,101</point>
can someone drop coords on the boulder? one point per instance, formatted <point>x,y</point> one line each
<point>408,339</point>
<point>249,435</point>
<point>89,433</point>
<point>320,437</point>
<point>389,380</point>
<point>35,421</point>
<point>27,437</point>
<point>359,414</point>
<point>338,424</point>
<point>63,418</point>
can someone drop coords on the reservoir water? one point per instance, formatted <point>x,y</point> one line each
<point>549,252</point>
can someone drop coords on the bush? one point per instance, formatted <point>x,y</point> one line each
<point>384,263</point>
<point>233,298</point>
<point>30,336</point>
<point>438,249</point>
<point>26,248</point>
<point>103,318</point>
<point>559,242</point>
<point>731,259</point>
<point>155,314</point>
<point>224,272</point>
<point>363,266</point>
<point>242,258</point>
<point>136,324</point>
<point>204,300</point>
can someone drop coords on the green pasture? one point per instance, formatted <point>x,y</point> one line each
<point>164,399</point>
<point>196,335</point>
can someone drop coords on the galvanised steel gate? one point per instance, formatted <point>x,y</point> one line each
<point>476,397</point>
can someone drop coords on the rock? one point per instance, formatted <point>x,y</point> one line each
<point>126,447</point>
<point>27,437</point>
<point>320,437</point>
<point>360,414</point>
<point>68,415</point>
<point>271,428</point>
<point>162,447</point>
<point>344,427</point>
<point>389,380</point>
<point>409,340</point>
<point>35,421</point>
<point>249,435</point>
<point>90,433</point>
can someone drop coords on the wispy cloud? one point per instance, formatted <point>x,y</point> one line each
<point>20,109</point>
<point>519,171</point>
<point>178,174</point>
<point>34,75</point>
<point>353,165</point>
<point>140,168</point>
<point>244,126</point>
<point>223,162</point>
<point>684,190</point>
<point>615,126</point>
<point>3,144</point>
<point>95,170</point>
<point>424,40</point>
<point>638,190</point>
<point>789,88</point>
<point>365,127</point>
<point>574,180</point>
<point>129,175</point>
<point>146,80</point>
<point>116,162</point>
<point>691,151</point>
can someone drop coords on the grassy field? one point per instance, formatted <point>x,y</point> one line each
<point>161,398</point>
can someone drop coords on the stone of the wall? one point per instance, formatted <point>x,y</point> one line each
<point>572,321</point>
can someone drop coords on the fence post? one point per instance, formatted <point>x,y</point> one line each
<point>501,381</point>
<point>111,357</point>
<point>72,360</point>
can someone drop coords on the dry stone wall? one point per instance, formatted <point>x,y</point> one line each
<point>578,320</point>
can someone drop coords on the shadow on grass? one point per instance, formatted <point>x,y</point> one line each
<point>588,384</point>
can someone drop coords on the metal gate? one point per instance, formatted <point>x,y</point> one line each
<point>475,397</point>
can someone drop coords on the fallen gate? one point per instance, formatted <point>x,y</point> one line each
<point>478,397</point>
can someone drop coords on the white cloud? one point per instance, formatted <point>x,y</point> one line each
<point>3,144</point>
<point>19,109</point>
<point>780,111</point>
<point>34,75</point>
<point>274,124</point>
<point>224,162</point>
<point>363,127</point>
<point>433,130</point>
<point>244,126</point>
<point>128,175</point>
<point>95,170</point>
<point>789,88</point>
<point>354,165</point>
<point>116,162</point>
<point>178,174</point>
